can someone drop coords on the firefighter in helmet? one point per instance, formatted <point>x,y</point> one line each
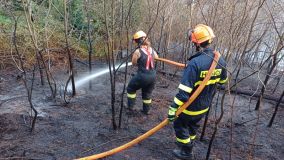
<point>145,78</point>
<point>186,124</point>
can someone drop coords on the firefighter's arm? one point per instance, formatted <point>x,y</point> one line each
<point>135,57</point>
<point>155,55</point>
<point>224,76</point>
<point>185,87</point>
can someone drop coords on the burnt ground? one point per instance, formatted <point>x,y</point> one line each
<point>84,127</point>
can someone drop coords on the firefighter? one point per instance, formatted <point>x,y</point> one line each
<point>143,58</point>
<point>186,124</point>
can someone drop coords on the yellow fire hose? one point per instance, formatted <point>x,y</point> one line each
<point>171,62</point>
<point>164,122</point>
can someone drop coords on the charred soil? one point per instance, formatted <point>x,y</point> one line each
<point>84,127</point>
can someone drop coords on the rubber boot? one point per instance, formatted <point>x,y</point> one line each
<point>130,104</point>
<point>146,108</point>
<point>184,152</point>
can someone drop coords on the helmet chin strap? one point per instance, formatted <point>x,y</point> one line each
<point>197,47</point>
<point>139,41</point>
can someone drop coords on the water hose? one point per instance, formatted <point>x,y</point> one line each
<point>171,62</point>
<point>164,122</point>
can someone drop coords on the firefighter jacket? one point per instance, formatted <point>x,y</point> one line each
<point>194,73</point>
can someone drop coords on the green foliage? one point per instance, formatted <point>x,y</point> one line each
<point>57,10</point>
<point>17,5</point>
<point>137,13</point>
<point>76,15</point>
<point>78,12</point>
<point>4,19</point>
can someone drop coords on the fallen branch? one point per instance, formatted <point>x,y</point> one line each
<point>249,93</point>
<point>242,123</point>
<point>254,144</point>
<point>9,158</point>
<point>9,99</point>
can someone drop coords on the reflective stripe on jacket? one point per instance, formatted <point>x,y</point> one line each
<point>194,73</point>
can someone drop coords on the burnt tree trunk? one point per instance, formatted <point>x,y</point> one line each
<point>39,68</point>
<point>207,114</point>
<point>70,59</point>
<point>125,74</point>
<point>216,127</point>
<point>48,76</point>
<point>277,83</point>
<point>276,109</point>
<point>110,60</point>
<point>90,44</point>
<point>267,77</point>
<point>28,89</point>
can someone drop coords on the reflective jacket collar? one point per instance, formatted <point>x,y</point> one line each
<point>205,51</point>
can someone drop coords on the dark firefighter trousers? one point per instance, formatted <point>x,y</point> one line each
<point>144,81</point>
<point>185,128</point>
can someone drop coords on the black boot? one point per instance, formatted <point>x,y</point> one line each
<point>146,108</point>
<point>130,104</point>
<point>184,152</point>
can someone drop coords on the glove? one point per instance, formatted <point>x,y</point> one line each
<point>172,114</point>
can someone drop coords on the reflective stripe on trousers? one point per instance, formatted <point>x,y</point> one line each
<point>133,95</point>
<point>184,141</point>
<point>147,101</point>
<point>194,113</point>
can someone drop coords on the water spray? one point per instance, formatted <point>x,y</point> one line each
<point>87,78</point>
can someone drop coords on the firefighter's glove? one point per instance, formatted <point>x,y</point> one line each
<point>172,114</point>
